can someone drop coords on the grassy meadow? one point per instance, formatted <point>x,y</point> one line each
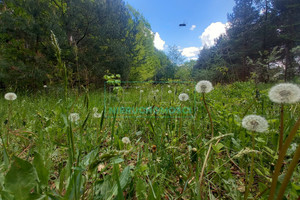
<point>144,154</point>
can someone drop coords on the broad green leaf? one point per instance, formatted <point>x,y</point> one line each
<point>124,180</point>
<point>41,169</point>
<point>20,179</point>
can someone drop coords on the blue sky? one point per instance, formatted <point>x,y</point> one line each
<point>207,17</point>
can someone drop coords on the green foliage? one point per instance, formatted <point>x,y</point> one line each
<point>20,179</point>
<point>114,81</point>
<point>256,30</point>
<point>90,38</point>
<point>87,159</point>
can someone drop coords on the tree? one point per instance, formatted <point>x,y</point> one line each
<point>288,26</point>
<point>184,72</point>
<point>175,55</point>
<point>243,35</point>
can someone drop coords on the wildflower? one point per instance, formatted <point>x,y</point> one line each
<point>74,117</point>
<point>188,90</point>
<point>170,91</point>
<point>255,123</point>
<point>183,97</point>
<point>285,93</point>
<point>125,140</point>
<point>157,90</point>
<point>10,96</point>
<point>95,109</point>
<point>45,86</point>
<point>141,91</point>
<point>97,115</point>
<point>204,87</point>
<point>169,86</point>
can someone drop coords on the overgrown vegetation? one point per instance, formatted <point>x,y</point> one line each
<point>52,157</point>
<point>145,140</point>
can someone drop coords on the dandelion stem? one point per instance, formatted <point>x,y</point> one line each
<point>8,122</point>
<point>281,156</point>
<point>281,128</point>
<point>210,119</point>
<point>209,149</point>
<point>289,173</point>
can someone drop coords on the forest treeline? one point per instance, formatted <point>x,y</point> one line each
<point>261,43</point>
<point>92,37</point>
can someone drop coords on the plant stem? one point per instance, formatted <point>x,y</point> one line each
<point>8,123</point>
<point>209,149</point>
<point>209,116</point>
<point>281,129</point>
<point>203,167</point>
<point>289,173</point>
<point>250,182</point>
<point>281,156</point>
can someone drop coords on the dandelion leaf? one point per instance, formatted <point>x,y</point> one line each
<point>20,179</point>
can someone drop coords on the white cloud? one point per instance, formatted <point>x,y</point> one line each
<point>158,42</point>
<point>191,52</point>
<point>212,32</point>
<point>193,27</point>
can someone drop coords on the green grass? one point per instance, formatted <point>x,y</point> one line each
<point>53,158</point>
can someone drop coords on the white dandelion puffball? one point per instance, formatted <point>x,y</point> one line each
<point>45,86</point>
<point>157,90</point>
<point>204,87</point>
<point>255,123</point>
<point>188,90</point>
<point>125,140</point>
<point>95,109</point>
<point>141,91</point>
<point>74,117</point>
<point>10,96</point>
<point>285,93</point>
<point>183,97</point>
<point>169,86</point>
<point>97,115</point>
<point>170,91</point>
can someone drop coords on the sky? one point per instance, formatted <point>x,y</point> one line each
<point>205,20</point>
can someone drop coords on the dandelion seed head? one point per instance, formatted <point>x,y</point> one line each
<point>204,87</point>
<point>74,117</point>
<point>255,123</point>
<point>97,115</point>
<point>285,93</point>
<point>170,91</point>
<point>95,109</point>
<point>10,96</point>
<point>126,140</point>
<point>141,91</point>
<point>183,97</point>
